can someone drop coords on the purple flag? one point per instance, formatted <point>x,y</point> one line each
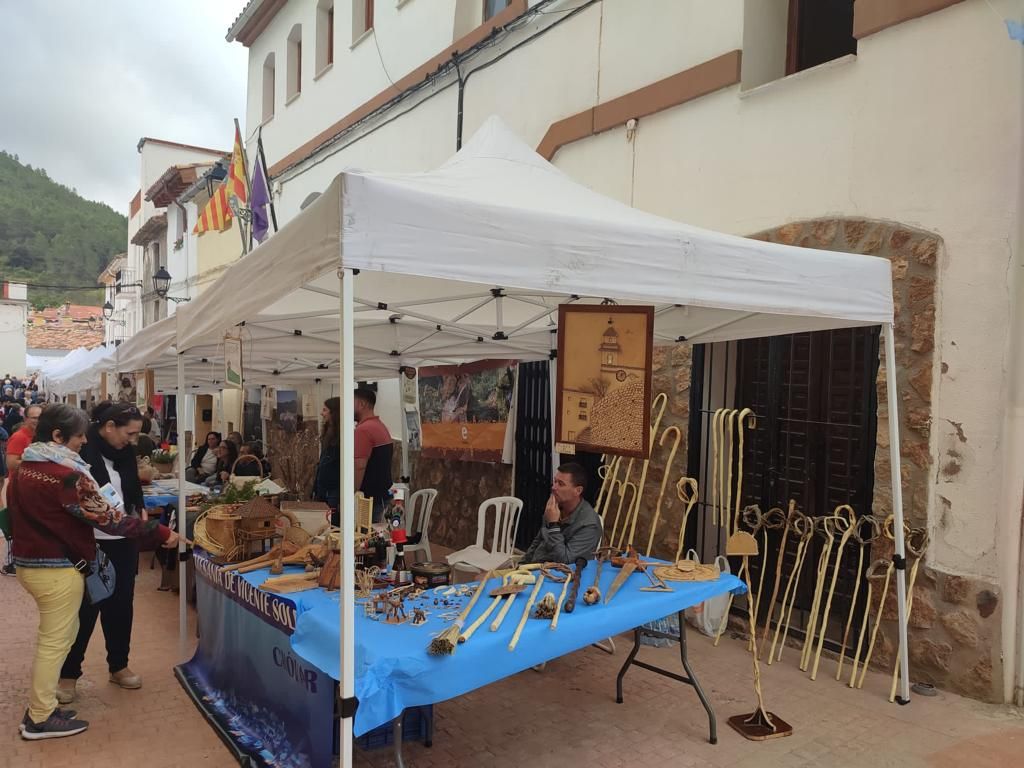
<point>258,204</point>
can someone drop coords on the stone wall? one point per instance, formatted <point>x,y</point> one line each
<point>955,621</point>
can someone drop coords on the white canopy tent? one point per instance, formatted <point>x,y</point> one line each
<point>471,260</point>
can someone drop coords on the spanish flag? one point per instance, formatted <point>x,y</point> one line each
<point>216,216</point>
<point>237,182</point>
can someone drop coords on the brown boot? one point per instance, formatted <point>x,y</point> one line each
<point>125,678</point>
<point>66,690</point>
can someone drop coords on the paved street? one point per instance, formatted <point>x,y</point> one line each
<point>564,716</point>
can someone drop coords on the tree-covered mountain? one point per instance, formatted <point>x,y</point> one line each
<point>50,235</point>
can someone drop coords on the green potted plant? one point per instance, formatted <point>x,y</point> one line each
<point>162,461</point>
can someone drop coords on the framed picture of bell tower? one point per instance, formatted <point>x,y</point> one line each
<point>603,402</point>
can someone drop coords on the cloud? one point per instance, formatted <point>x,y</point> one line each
<point>84,81</point>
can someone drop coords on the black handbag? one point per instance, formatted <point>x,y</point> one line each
<point>99,574</point>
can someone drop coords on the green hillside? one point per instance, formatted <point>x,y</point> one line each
<point>51,236</point>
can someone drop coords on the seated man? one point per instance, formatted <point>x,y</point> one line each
<point>571,528</point>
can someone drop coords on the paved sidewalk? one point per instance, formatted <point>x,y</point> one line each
<point>565,716</point>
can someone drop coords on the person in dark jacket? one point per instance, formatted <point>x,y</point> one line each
<point>110,454</point>
<point>204,463</point>
<point>55,506</point>
<point>327,483</point>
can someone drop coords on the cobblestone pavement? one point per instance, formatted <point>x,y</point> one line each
<point>564,716</point>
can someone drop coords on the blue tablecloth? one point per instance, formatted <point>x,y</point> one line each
<point>164,493</point>
<point>394,670</point>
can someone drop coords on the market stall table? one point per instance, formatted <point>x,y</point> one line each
<point>269,692</point>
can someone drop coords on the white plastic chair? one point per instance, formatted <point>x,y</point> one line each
<point>417,520</point>
<point>506,523</point>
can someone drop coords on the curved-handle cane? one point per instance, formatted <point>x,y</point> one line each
<point>874,527</point>
<point>851,527</point>
<point>785,525</point>
<point>916,544</point>
<point>828,526</point>
<point>664,481</point>
<point>804,527</point>
<point>686,491</point>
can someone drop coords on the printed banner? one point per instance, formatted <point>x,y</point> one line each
<point>232,362</point>
<point>271,705</point>
<point>464,409</point>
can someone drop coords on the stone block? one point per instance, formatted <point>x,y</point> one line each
<point>955,589</point>
<point>899,268</point>
<point>919,420</point>
<point>922,292</point>
<point>922,612</point>
<point>853,232</point>
<point>789,233</point>
<point>921,381</point>
<point>976,682</point>
<point>926,250</point>
<point>661,353</point>
<point>823,232</point>
<point>962,628</point>
<point>900,239</point>
<point>922,330</point>
<point>918,454</point>
<point>930,654</point>
<point>874,241</point>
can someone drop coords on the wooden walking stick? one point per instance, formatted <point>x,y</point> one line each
<point>574,590</point>
<point>861,541</point>
<point>731,524</point>
<point>558,606</point>
<point>610,478</point>
<point>716,450</point>
<point>803,526</point>
<point>773,520</point>
<point>828,527</point>
<point>444,643</point>
<point>787,527</point>
<point>633,511</point>
<point>526,612</point>
<point>514,579</point>
<point>760,724</point>
<point>889,534</point>
<point>592,595</point>
<point>871,576</point>
<point>917,543</point>
<point>664,481</point>
<point>686,490</point>
<point>852,526</point>
<point>621,484</point>
<point>483,616</point>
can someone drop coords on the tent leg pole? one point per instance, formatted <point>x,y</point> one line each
<point>182,516</point>
<point>346,285</point>
<point>897,508</point>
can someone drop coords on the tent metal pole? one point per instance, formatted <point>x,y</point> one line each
<point>182,512</point>
<point>347,502</point>
<point>897,509</point>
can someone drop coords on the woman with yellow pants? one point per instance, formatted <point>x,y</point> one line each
<point>55,505</point>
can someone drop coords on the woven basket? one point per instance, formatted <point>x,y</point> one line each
<point>241,482</point>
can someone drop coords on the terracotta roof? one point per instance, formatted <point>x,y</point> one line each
<point>63,337</point>
<point>173,182</point>
<point>71,311</point>
<point>148,231</point>
<point>166,143</point>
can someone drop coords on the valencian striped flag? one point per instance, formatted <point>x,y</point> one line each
<point>237,185</point>
<point>216,216</point>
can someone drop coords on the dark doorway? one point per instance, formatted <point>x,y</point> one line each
<point>815,401</point>
<point>533,447</point>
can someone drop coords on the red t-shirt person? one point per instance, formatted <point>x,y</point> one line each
<point>373,445</point>
<point>19,441</point>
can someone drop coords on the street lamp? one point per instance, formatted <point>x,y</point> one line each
<point>161,284</point>
<point>108,311</point>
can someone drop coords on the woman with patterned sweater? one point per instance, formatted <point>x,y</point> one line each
<point>55,506</point>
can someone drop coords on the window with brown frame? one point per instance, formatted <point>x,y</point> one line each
<point>819,31</point>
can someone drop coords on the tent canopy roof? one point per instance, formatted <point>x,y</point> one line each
<point>471,261</point>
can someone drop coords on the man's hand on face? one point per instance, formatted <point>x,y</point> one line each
<point>552,514</point>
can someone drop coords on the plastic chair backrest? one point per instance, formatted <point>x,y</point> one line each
<point>421,504</point>
<point>506,523</point>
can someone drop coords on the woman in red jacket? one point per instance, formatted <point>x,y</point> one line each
<point>55,506</point>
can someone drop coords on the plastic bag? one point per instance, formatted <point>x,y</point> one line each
<point>706,617</point>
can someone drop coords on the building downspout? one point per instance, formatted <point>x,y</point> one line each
<point>1012,495</point>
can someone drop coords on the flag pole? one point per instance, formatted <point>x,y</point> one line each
<point>246,241</point>
<point>262,157</point>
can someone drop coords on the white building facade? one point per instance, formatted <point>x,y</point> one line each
<point>13,328</point>
<point>893,130</point>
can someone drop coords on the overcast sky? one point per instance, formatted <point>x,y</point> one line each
<point>83,80</point>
